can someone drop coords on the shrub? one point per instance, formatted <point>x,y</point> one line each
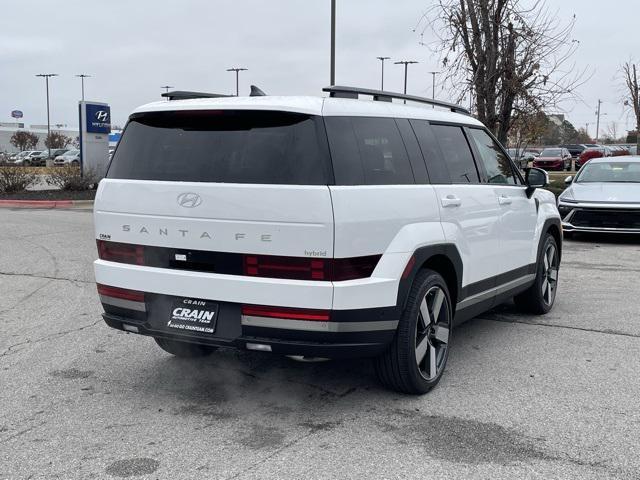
<point>15,179</point>
<point>70,178</point>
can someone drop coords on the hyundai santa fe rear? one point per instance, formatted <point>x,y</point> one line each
<point>292,225</point>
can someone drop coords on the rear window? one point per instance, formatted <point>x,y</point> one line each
<point>223,146</point>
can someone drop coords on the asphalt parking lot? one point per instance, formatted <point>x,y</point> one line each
<point>523,397</point>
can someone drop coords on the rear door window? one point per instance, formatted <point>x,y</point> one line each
<point>224,146</point>
<point>368,151</point>
<point>438,172</point>
<point>457,154</point>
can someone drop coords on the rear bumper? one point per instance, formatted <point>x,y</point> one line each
<point>339,338</point>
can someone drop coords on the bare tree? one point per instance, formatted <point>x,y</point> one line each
<point>514,59</point>
<point>612,131</point>
<point>632,98</point>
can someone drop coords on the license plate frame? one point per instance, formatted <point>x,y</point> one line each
<point>193,316</point>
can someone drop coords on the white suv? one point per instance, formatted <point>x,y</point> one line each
<point>319,227</point>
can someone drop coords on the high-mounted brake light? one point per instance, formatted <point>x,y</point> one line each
<point>286,313</point>
<point>121,293</point>
<point>121,252</point>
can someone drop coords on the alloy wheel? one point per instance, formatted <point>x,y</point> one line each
<point>432,333</point>
<point>550,274</point>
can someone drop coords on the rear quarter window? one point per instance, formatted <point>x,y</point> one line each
<point>368,151</point>
<point>224,146</point>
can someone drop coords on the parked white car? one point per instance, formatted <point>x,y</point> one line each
<point>71,157</point>
<point>603,197</point>
<point>28,159</point>
<point>319,227</point>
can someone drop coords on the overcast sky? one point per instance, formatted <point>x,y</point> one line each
<point>131,48</point>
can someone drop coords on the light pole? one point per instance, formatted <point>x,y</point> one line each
<point>598,121</point>
<point>237,70</point>
<point>382,59</point>
<point>46,77</point>
<point>406,64</point>
<point>333,43</point>
<point>433,86</point>
<point>82,76</point>
<point>166,89</point>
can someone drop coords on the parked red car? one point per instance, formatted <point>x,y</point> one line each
<point>619,151</point>
<point>554,159</point>
<point>590,153</point>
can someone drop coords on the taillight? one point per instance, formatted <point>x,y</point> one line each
<point>296,268</point>
<point>352,268</point>
<point>286,313</point>
<point>122,293</point>
<point>121,252</point>
<point>302,268</point>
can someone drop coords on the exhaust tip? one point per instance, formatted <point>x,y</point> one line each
<point>305,359</point>
<point>259,347</point>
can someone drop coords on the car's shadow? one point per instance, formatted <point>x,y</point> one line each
<point>232,384</point>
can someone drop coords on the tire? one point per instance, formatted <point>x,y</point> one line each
<point>184,349</point>
<point>75,163</point>
<point>540,297</point>
<point>399,368</point>
<point>27,163</point>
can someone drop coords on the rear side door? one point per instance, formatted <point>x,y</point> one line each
<point>469,210</point>
<point>518,212</point>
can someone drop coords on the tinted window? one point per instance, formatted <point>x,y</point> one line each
<point>436,167</point>
<point>223,146</point>
<point>496,163</point>
<point>415,155</point>
<point>457,154</point>
<point>368,151</point>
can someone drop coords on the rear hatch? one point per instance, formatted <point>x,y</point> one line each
<point>223,181</point>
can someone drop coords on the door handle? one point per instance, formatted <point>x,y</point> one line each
<point>504,200</point>
<point>450,201</point>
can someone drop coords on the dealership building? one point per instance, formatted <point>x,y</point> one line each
<point>7,129</point>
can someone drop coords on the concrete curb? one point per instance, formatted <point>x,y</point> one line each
<point>45,203</point>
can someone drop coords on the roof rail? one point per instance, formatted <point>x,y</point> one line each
<point>383,96</point>
<point>185,95</point>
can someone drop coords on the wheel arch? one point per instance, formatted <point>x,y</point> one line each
<point>444,259</point>
<point>554,227</point>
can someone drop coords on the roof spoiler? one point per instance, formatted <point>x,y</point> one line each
<point>186,95</point>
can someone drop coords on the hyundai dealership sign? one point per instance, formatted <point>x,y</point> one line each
<point>16,114</point>
<point>98,118</point>
<point>95,126</point>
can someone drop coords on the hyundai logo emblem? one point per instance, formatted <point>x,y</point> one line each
<point>102,115</point>
<point>189,200</point>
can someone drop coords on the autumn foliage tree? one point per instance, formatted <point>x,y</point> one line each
<point>24,140</point>
<point>512,57</point>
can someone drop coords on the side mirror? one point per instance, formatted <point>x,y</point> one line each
<point>568,180</point>
<point>536,178</point>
